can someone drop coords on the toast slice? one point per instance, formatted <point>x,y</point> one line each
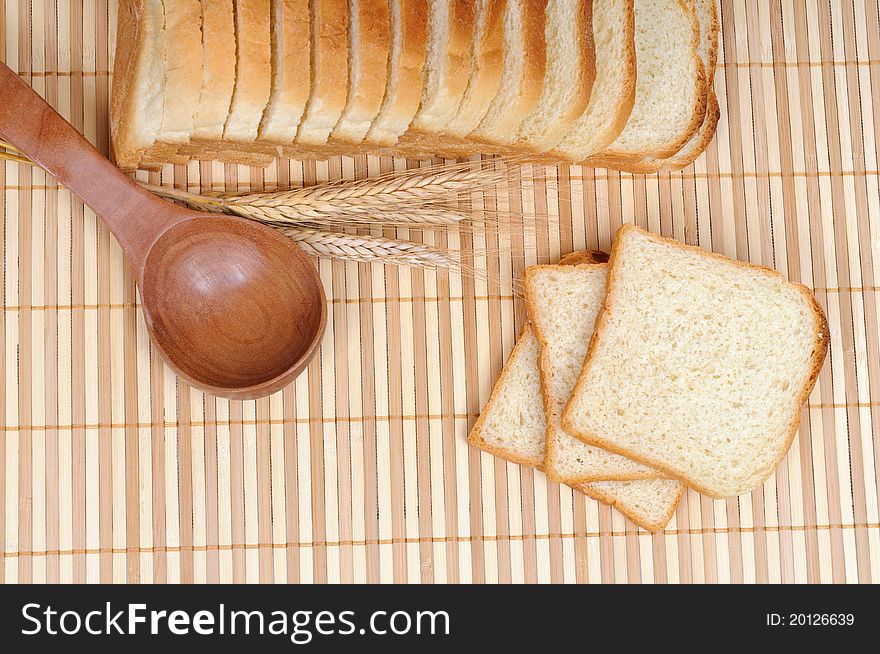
<point>568,76</point>
<point>487,56</point>
<point>522,76</point>
<point>563,303</point>
<point>513,426</point>
<point>614,89</point>
<point>253,77</point>
<point>699,364</point>
<point>409,40</point>
<point>451,28</point>
<point>370,47</point>
<point>329,72</point>
<point>291,56</point>
<point>183,76</point>
<point>138,88</point>
<point>670,101</point>
<point>707,17</point>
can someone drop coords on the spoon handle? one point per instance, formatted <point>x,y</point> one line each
<point>134,215</point>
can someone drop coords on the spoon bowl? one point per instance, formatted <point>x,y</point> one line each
<point>229,307</point>
<point>233,306</point>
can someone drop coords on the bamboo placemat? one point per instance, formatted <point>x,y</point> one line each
<point>113,470</point>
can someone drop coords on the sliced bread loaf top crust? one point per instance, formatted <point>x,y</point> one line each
<point>487,57</point>
<point>707,16</point>
<point>451,27</point>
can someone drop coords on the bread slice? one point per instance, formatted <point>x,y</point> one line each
<point>568,76</point>
<point>522,76</point>
<point>707,17</point>
<point>329,72</point>
<point>409,39</point>
<point>513,426</point>
<point>562,303</point>
<point>218,69</point>
<point>291,57</point>
<point>138,81</point>
<point>699,364</point>
<point>370,47</point>
<point>253,78</point>
<point>670,100</point>
<point>183,72</point>
<point>487,56</point>
<point>451,28</point>
<point>614,88</point>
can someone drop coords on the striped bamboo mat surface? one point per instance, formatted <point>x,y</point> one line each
<point>113,470</point>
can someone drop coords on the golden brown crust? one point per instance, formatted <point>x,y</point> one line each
<point>602,496</point>
<point>487,137</point>
<point>253,77</point>
<point>820,348</point>
<point>544,368</point>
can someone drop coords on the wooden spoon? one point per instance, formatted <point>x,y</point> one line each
<point>234,307</point>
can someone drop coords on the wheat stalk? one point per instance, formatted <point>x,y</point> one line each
<point>370,249</point>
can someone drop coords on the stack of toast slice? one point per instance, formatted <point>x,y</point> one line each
<point>667,366</point>
<point>619,83</point>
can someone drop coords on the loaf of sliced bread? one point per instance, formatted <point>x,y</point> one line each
<point>522,76</point>
<point>707,17</point>
<point>328,89</point>
<point>403,89</point>
<point>513,426</point>
<point>699,364</point>
<point>291,58</point>
<point>670,100</point>
<point>614,88</point>
<point>138,81</point>
<point>563,303</point>
<point>568,75</point>
<point>369,49</point>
